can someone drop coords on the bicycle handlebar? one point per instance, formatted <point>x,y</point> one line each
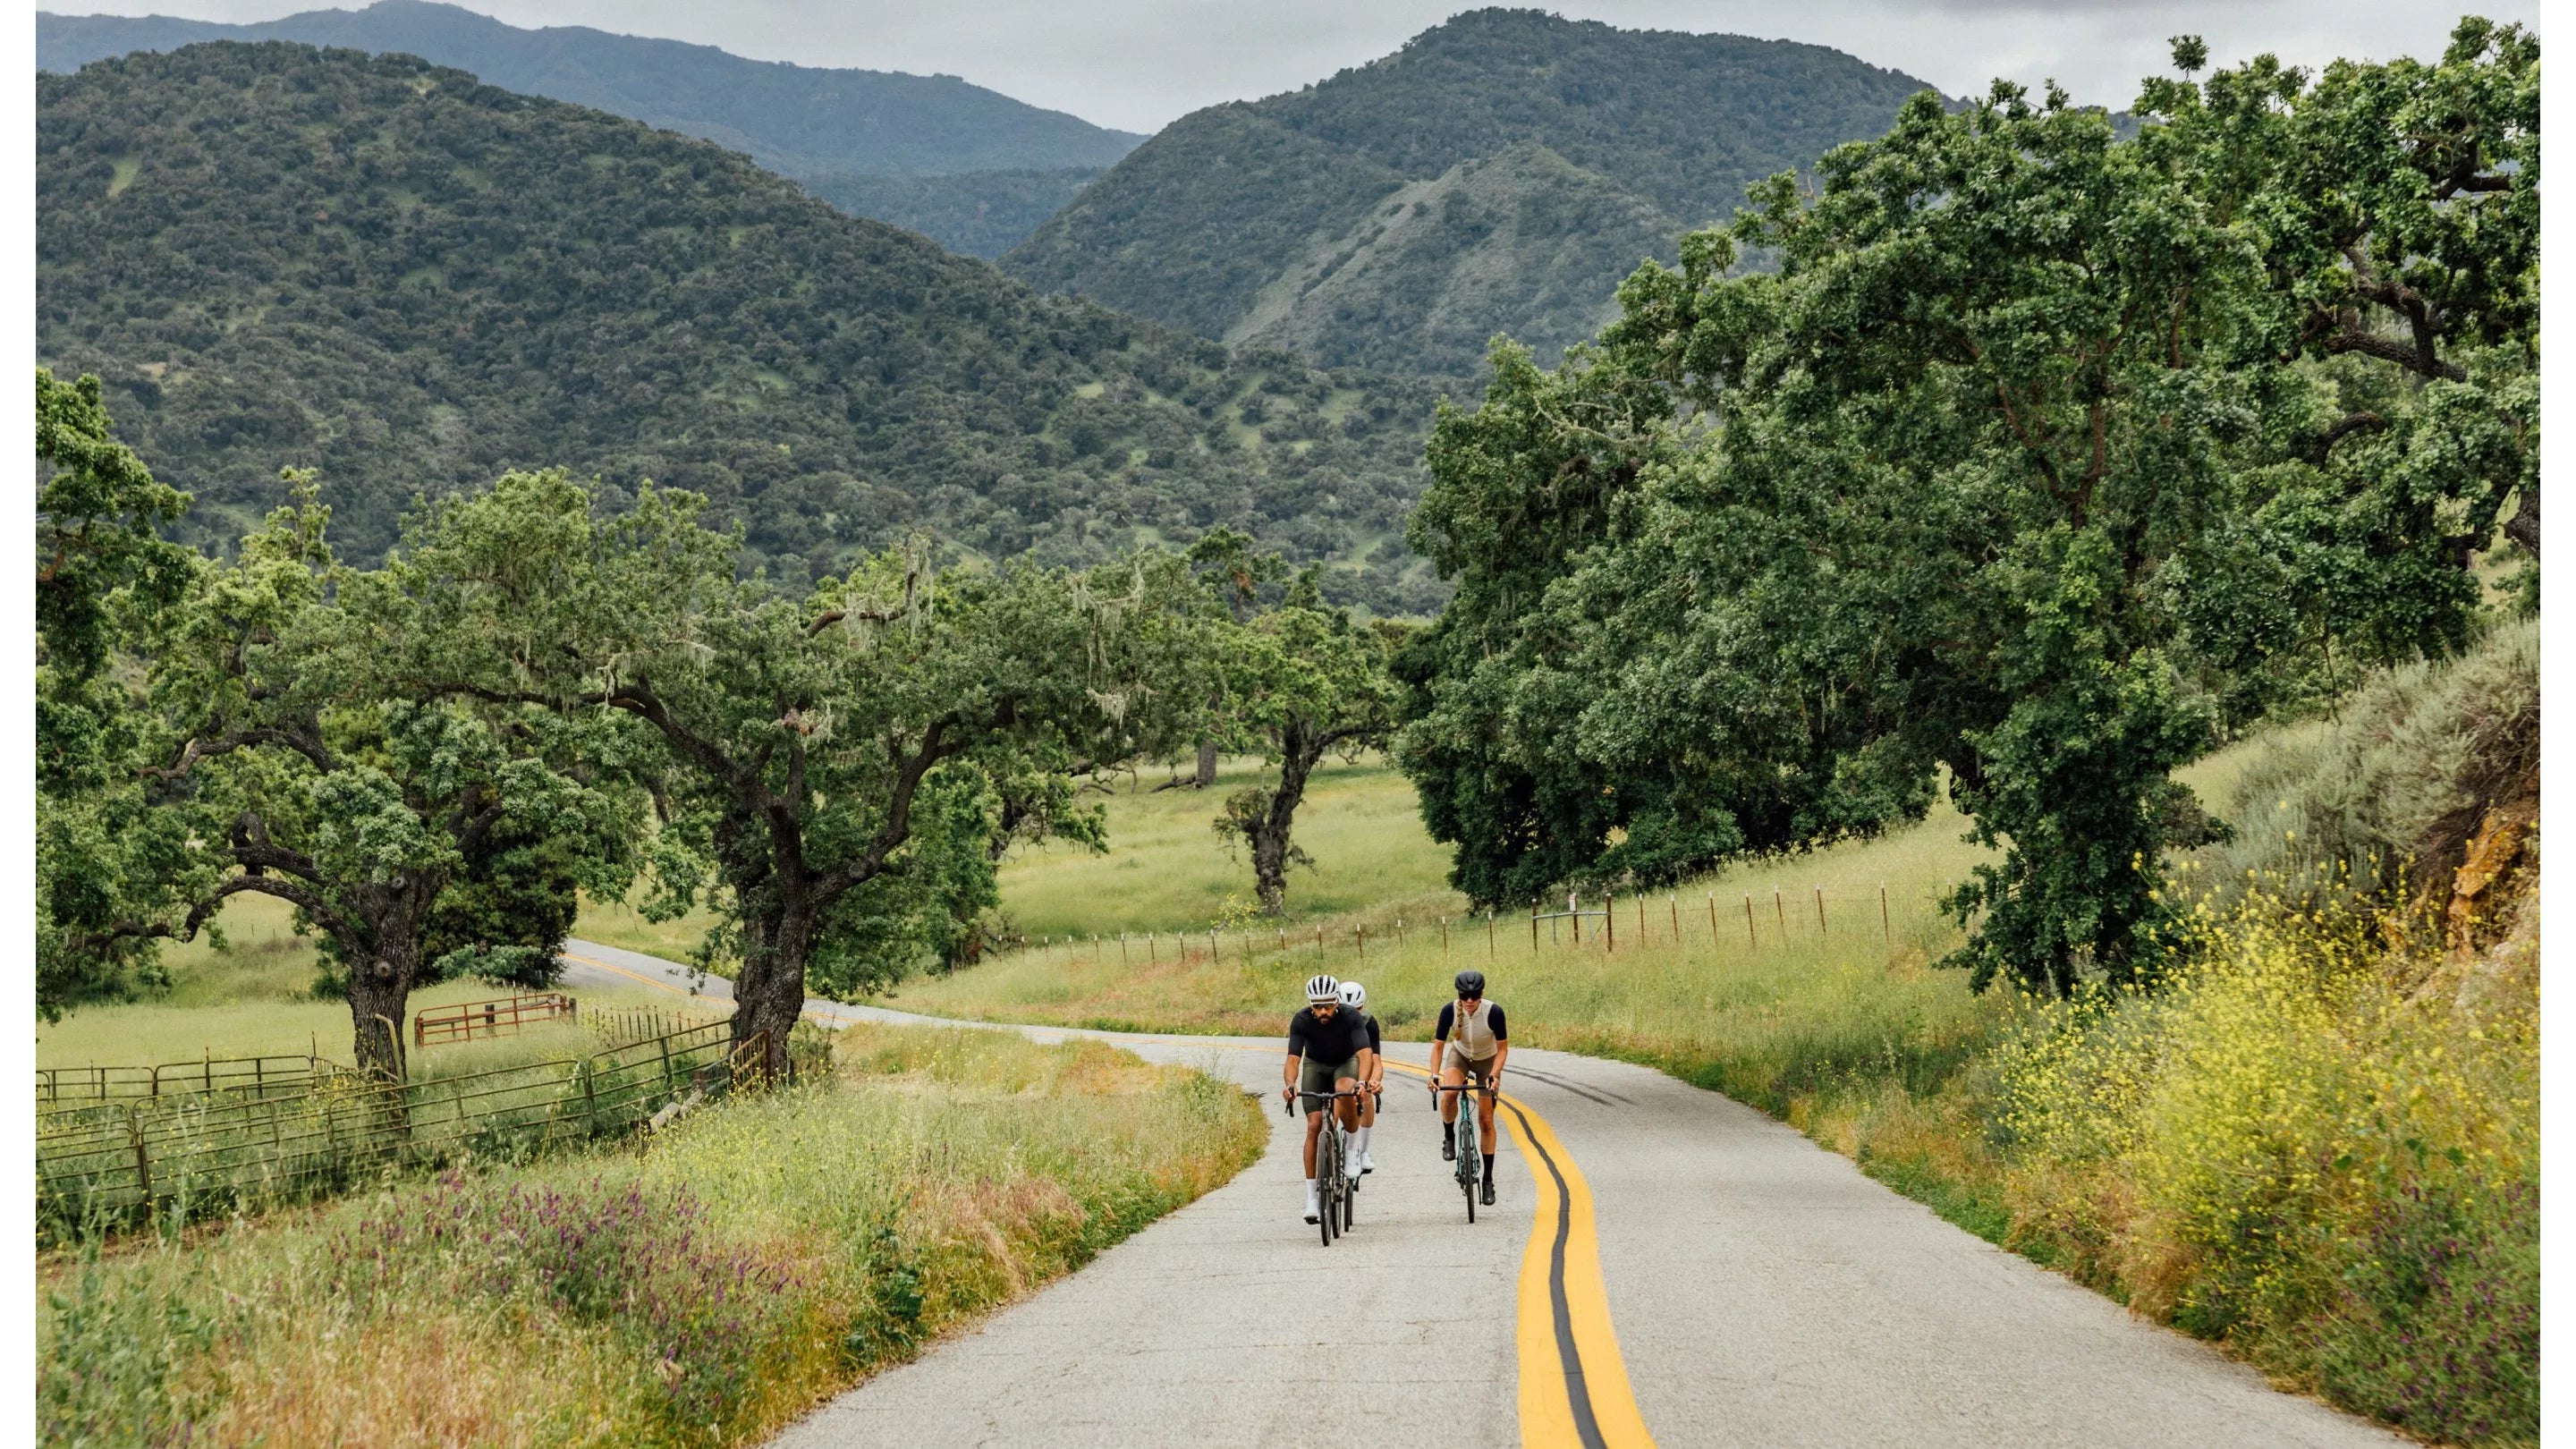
<point>1290,1108</point>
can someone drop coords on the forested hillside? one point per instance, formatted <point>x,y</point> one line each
<point>1501,172</point>
<point>837,130</point>
<point>282,257</point>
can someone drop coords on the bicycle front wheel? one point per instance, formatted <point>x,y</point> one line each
<point>1328,1163</point>
<point>1468,1156</point>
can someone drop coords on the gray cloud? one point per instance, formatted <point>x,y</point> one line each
<point>1137,64</point>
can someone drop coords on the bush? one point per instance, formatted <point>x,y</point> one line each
<point>2315,1145</point>
<point>2391,792</point>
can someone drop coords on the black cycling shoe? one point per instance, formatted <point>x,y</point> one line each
<point>1489,1192</point>
<point>1448,1150</point>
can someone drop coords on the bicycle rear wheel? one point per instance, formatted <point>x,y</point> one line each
<point>1350,1192</point>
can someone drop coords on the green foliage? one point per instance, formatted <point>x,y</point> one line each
<point>2015,467</point>
<point>412,283</point>
<point>1497,174</point>
<point>1295,681</point>
<point>105,579</point>
<point>979,213</point>
<point>832,757</point>
<point>800,121</point>
<point>293,766</point>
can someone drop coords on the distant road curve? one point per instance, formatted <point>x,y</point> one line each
<point>1665,1266</point>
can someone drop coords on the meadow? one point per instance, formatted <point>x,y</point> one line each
<point>932,1176</point>
<point>254,997</point>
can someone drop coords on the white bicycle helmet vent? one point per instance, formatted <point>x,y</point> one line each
<point>1354,995</point>
<point>1323,989</point>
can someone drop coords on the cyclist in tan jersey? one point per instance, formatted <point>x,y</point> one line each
<point>1470,1040</point>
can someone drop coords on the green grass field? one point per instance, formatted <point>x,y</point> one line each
<point>254,998</point>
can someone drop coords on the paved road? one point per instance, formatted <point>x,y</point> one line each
<point>1699,1274</point>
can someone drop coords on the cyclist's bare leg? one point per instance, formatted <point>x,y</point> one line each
<point>1451,1076</point>
<point>1314,1130</point>
<point>1485,1123</point>
<point>1347,1108</point>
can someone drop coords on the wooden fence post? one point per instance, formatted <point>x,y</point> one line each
<point>1749,933</point>
<point>1820,912</point>
<point>1360,934</point>
<point>1609,924</point>
<point>1782,912</point>
<point>1883,923</point>
<point>1444,938</point>
<point>1489,934</point>
<point>1122,948</point>
<point>1533,925</point>
<point>1712,920</point>
<point>1674,904</point>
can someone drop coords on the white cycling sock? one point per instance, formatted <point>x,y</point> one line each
<point>1363,1135</point>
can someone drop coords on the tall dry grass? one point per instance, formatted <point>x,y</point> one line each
<point>760,1256</point>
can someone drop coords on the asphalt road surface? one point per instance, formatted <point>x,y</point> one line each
<point>1664,1265</point>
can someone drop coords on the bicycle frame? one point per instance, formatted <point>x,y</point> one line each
<point>1332,1147</point>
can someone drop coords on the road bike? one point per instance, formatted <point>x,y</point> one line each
<point>1335,1192</point>
<point>1463,1140</point>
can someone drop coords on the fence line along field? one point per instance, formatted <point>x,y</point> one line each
<point>108,1164</point>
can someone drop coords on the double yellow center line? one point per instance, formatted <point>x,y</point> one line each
<point>1574,1383</point>
<point>1574,1391</point>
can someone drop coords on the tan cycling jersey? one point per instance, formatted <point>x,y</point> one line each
<point>1470,1034</point>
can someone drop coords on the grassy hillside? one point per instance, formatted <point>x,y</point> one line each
<point>796,120</point>
<point>276,256</point>
<point>1647,133</point>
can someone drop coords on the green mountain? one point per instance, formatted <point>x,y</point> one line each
<point>829,128</point>
<point>1501,172</point>
<point>980,213</point>
<point>278,256</point>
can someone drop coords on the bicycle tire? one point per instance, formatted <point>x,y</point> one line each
<point>1324,1159</point>
<point>1468,1154</point>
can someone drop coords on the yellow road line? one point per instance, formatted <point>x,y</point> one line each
<point>1574,1383</point>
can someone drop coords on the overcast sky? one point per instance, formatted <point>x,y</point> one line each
<point>1137,64</point>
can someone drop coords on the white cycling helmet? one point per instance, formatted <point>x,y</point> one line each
<point>1323,989</point>
<point>1354,995</point>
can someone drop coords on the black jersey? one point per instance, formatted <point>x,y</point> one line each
<point>1337,1040</point>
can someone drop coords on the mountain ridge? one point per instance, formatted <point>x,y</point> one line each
<point>280,256</point>
<point>1195,225</point>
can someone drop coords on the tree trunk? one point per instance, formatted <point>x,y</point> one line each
<point>1207,764</point>
<point>1272,849</point>
<point>2524,527</point>
<point>380,985</point>
<point>769,995</point>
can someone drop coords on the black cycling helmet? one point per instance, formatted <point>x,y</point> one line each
<point>1471,985</point>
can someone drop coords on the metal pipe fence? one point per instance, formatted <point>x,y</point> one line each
<point>114,1161</point>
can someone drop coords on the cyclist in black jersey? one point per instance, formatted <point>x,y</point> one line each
<point>1355,1001</point>
<point>1328,1051</point>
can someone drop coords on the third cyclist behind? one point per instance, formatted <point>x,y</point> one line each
<point>1355,1001</point>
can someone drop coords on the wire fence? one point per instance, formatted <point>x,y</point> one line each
<point>1609,924</point>
<point>113,1160</point>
